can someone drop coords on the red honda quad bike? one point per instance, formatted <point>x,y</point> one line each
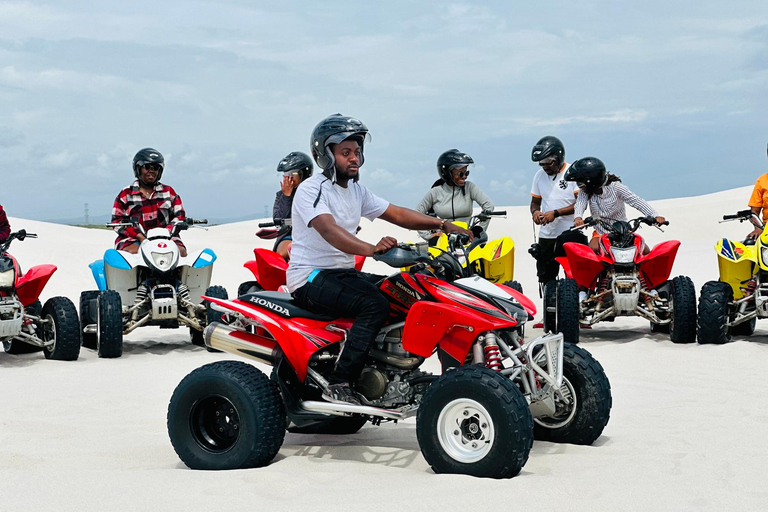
<point>268,267</point>
<point>479,417</point>
<point>621,280</point>
<point>25,325</point>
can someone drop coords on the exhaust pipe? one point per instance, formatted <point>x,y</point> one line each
<point>225,338</point>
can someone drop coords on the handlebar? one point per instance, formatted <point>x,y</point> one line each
<point>266,224</point>
<point>18,235</point>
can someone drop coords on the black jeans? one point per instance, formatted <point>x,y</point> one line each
<point>348,293</point>
<point>546,266</point>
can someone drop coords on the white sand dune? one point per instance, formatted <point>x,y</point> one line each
<point>687,429</point>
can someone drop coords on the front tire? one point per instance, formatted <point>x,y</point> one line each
<point>682,298</point>
<point>514,285</point>
<point>62,327</point>
<point>713,313</point>
<point>568,309</point>
<point>474,421</point>
<point>583,403</point>
<point>550,306</point>
<point>109,323</point>
<point>89,339</point>
<point>745,328</point>
<point>211,315</point>
<point>249,287</point>
<point>226,415</point>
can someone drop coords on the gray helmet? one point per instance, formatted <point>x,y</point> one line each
<point>297,161</point>
<point>333,130</point>
<point>148,156</point>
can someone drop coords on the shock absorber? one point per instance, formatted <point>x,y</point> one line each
<point>491,351</point>
<point>141,293</point>
<point>751,287</point>
<point>183,292</point>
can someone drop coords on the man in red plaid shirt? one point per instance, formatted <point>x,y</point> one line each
<point>5,227</point>
<point>154,204</point>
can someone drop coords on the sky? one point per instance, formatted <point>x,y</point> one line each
<point>670,95</point>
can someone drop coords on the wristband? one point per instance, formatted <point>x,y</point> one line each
<point>557,213</point>
<point>442,225</point>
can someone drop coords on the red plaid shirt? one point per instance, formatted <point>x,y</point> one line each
<point>162,209</point>
<point>5,228</point>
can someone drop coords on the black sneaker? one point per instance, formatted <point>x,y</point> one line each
<point>341,393</point>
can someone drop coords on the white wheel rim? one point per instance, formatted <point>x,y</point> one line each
<point>465,430</point>
<point>50,329</point>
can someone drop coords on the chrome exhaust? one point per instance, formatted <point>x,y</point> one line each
<point>227,339</point>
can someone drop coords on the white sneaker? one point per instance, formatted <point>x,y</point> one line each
<point>582,295</point>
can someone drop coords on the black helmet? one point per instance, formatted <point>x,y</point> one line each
<point>546,147</point>
<point>589,171</point>
<point>297,161</point>
<point>450,160</point>
<point>148,156</point>
<point>332,130</point>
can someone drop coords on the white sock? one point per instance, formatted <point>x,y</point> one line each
<point>582,295</point>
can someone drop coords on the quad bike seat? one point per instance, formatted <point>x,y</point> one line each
<point>284,300</point>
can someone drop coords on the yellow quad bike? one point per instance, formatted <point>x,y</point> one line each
<point>494,260</point>
<point>732,305</point>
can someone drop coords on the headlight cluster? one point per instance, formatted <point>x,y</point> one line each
<point>624,255</point>
<point>7,278</point>
<point>163,260</point>
<point>764,254</point>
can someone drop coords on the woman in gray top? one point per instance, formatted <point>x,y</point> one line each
<point>452,196</point>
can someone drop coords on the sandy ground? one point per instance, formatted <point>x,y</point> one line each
<point>687,429</point>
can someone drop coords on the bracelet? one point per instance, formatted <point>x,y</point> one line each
<point>442,224</point>
<point>557,213</point>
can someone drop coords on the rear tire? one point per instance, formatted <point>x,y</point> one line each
<point>713,313</point>
<point>109,332</point>
<point>682,297</point>
<point>568,310</point>
<point>514,285</point>
<point>745,328</point>
<point>583,404</point>
<point>550,302</point>
<point>89,339</point>
<point>226,415</point>
<point>474,421</point>
<point>249,287</point>
<point>63,328</point>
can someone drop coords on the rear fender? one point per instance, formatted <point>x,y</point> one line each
<point>657,264</point>
<point>584,264</point>
<point>452,328</point>
<point>268,268</point>
<point>30,285</point>
<point>495,260</point>
<point>298,338</point>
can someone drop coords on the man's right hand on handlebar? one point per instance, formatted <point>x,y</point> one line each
<point>385,244</point>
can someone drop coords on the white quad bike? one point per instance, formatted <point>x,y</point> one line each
<point>156,286</point>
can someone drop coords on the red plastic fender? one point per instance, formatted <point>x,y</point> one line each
<point>268,268</point>
<point>453,328</point>
<point>657,264</point>
<point>30,285</point>
<point>524,301</point>
<point>359,261</point>
<point>584,264</point>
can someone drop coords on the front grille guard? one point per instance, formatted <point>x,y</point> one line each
<point>547,348</point>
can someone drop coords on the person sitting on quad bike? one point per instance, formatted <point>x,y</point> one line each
<point>552,204</point>
<point>154,204</point>
<point>295,168</point>
<point>605,195</point>
<point>759,202</point>
<point>5,227</point>
<point>321,274</point>
<point>452,196</point>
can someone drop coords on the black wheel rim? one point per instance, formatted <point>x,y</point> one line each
<point>215,424</point>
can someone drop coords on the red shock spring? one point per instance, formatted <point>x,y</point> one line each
<point>492,355</point>
<point>751,287</point>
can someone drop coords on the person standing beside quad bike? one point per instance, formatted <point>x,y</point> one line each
<point>759,202</point>
<point>154,204</point>
<point>452,195</point>
<point>552,205</point>
<point>5,227</point>
<point>295,168</point>
<point>321,274</point>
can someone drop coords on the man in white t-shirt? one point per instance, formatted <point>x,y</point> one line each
<point>321,276</point>
<point>552,203</point>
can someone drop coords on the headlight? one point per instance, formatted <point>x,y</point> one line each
<point>163,260</point>
<point>7,279</point>
<point>764,254</point>
<point>624,255</point>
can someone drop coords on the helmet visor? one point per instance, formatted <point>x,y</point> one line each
<point>342,136</point>
<point>460,170</point>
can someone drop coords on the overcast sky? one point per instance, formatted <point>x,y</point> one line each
<point>670,95</point>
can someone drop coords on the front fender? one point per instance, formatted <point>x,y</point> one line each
<point>452,328</point>
<point>97,269</point>
<point>584,264</point>
<point>657,264</point>
<point>29,286</point>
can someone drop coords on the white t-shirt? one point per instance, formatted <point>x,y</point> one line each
<point>554,194</point>
<point>309,250</point>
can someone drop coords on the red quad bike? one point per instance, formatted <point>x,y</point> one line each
<point>478,418</point>
<point>621,281</point>
<point>268,267</point>
<point>25,325</point>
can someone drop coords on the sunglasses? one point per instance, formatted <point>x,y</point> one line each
<point>547,161</point>
<point>153,167</point>
<point>291,174</point>
<point>462,174</point>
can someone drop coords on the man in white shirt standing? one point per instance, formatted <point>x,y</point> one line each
<point>321,276</point>
<point>552,204</point>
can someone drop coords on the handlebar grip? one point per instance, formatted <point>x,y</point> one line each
<point>730,217</point>
<point>266,224</point>
<point>500,212</point>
